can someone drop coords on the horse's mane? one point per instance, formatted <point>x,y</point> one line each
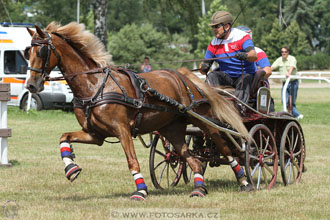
<point>86,42</point>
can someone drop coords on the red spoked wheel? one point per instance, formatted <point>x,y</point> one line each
<point>292,151</point>
<point>261,158</point>
<point>166,166</point>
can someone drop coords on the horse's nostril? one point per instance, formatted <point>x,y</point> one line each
<point>31,88</point>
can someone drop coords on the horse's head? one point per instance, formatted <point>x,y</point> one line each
<point>43,58</point>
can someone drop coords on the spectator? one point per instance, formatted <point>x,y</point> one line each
<point>145,66</point>
<point>287,66</point>
<point>237,72</point>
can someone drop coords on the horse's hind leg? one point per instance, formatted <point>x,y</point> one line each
<point>240,175</point>
<point>175,133</point>
<point>225,150</point>
<point>72,170</point>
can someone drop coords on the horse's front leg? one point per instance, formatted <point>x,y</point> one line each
<point>125,137</point>
<point>72,170</point>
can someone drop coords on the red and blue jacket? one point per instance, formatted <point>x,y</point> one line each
<point>237,41</point>
<point>262,60</point>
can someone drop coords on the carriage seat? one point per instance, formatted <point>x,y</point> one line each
<point>260,98</point>
<point>258,81</point>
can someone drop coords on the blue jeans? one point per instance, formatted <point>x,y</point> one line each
<point>292,91</point>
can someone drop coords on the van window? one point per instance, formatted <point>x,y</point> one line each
<point>13,62</point>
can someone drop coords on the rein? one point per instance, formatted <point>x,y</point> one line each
<point>92,71</point>
<point>179,61</point>
<point>100,70</point>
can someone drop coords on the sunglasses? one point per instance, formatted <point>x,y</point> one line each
<point>217,26</point>
<point>284,51</point>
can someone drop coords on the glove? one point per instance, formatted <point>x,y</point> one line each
<point>241,55</point>
<point>204,68</point>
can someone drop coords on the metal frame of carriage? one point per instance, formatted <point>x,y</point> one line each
<point>278,141</point>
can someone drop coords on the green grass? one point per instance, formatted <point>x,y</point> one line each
<point>37,183</point>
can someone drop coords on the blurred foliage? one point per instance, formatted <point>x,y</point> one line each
<point>291,37</point>
<point>304,26</point>
<point>132,43</point>
<point>205,33</point>
<point>318,61</point>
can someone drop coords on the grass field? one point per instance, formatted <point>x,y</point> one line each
<point>37,187</point>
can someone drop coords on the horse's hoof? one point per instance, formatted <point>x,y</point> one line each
<point>248,188</point>
<point>139,196</point>
<point>304,169</point>
<point>72,171</point>
<point>198,192</point>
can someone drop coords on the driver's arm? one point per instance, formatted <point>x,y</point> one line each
<point>251,54</point>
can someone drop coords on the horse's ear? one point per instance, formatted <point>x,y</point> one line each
<point>40,32</point>
<point>30,31</point>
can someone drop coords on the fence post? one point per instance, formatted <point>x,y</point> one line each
<point>4,131</point>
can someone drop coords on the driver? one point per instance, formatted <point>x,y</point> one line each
<point>238,71</point>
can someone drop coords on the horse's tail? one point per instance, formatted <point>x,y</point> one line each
<point>222,108</point>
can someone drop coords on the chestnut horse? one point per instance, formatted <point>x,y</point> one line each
<point>108,103</point>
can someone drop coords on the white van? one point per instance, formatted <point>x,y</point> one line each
<point>14,38</point>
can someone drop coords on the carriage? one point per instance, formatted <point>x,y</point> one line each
<point>278,142</point>
<point>115,102</point>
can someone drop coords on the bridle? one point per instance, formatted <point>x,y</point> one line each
<point>44,53</point>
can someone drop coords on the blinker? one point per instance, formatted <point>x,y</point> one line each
<point>26,53</point>
<point>43,52</point>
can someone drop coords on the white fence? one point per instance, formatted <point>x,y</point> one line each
<point>311,75</point>
<point>302,75</point>
<point>5,132</point>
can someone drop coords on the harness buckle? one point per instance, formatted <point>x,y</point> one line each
<point>142,87</point>
<point>137,103</point>
<point>50,43</point>
<point>85,102</point>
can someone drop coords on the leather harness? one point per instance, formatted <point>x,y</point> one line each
<point>139,84</point>
<point>141,89</point>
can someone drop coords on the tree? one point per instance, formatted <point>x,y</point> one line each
<point>292,37</point>
<point>100,9</point>
<point>175,16</point>
<point>42,12</point>
<point>132,43</point>
<point>300,11</point>
<point>296,39</point>
<point>321,13</point>
<point>121,13</point>
<point>205,33</point>
<point>12,12</point>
